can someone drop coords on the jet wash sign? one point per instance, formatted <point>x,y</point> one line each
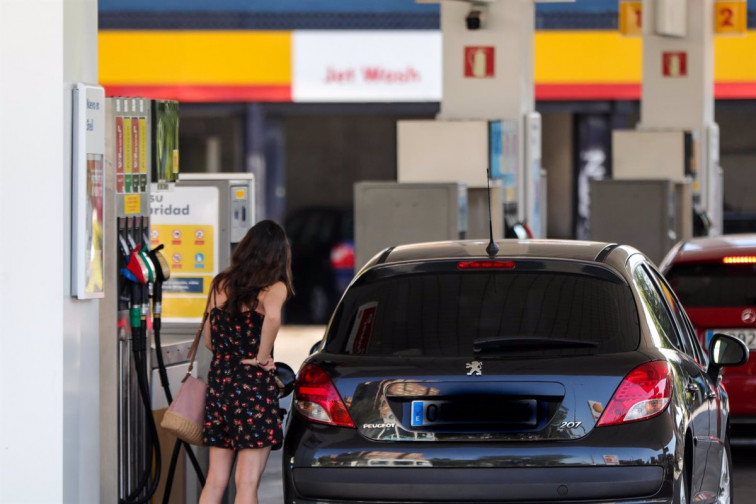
<point>360,66</point>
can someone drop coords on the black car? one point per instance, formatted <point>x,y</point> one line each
<point>322,262</point>
<point>556,371</point>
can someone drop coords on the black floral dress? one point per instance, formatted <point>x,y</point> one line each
<point>241,405</point>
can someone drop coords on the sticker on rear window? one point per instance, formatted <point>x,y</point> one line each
<point>362,330</point>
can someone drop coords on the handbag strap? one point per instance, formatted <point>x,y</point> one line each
<point>195,344</point>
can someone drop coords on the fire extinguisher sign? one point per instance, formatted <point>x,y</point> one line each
<point>675,64</point>
<point>479,61</point>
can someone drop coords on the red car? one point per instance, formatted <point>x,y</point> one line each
<point>715,279</point>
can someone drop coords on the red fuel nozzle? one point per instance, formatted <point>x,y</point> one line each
<point>137,266</point>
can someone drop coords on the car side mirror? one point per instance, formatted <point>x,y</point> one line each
<point>316,347</point>
<point>724,350</point>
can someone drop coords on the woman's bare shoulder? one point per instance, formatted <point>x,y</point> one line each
<point>218,293</point>
<point>277,289</point>
<point>278,286</point>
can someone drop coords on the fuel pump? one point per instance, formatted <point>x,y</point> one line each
<point>131,458</point>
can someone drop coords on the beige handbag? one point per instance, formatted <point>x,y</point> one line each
<point>185,416</point>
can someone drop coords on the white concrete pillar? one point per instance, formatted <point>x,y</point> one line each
<point>488,74</point>
<point>49,384</point>
<point>32,269</point>
<point>509,28</point>
<point>684,97</point>
<point>678,88</point>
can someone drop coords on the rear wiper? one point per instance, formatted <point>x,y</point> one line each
<point>482,345</point>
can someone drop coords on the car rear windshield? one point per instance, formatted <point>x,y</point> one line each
<point>714,284</point>
<point>466,313</point>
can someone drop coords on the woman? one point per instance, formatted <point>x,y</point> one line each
<point>241,406</point>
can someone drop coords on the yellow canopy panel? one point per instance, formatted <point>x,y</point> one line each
<point>257,65</point>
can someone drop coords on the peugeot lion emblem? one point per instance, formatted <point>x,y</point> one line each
<point>474,368</point>
<point>748,316</point>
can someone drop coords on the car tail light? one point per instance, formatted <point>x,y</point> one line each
<point>486,265</point>
<point>643,393</point>
<point>739,259</point>
<point>342,256</point>
<point>316,398</point>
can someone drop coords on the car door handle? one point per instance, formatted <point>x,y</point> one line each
<point>693,388</point>
<point>696,390</point>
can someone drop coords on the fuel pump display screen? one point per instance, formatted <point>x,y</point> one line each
<point>185,221</point>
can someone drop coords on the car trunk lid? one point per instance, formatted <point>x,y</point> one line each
<point>453,399</point>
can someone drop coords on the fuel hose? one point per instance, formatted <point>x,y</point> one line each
<point>162,272</point>
<point>157,309</point>
<point>145,488</point>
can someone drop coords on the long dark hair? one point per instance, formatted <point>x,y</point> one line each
<point>262,258</point>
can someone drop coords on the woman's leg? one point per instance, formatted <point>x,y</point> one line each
<point>221,462</point>
<point>249,469</point>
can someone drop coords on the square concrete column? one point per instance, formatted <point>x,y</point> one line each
<point>678,88</point>
<point>488,74</point>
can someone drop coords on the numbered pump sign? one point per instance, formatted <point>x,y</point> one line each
<point>730,17</point>
<point>631,18</point>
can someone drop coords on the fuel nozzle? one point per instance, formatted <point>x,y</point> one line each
<point>140,271</point>
<point>162,273</point>
<point>139,268</point>
<point>162,268</point>
<point>135,311</point>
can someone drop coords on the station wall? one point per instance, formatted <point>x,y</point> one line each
<point>737,123</point>
<point>325,156</point>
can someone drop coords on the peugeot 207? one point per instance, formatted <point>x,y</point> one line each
<point>552,371</point>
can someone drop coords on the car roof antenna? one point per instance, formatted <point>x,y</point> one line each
<point>492,249</point>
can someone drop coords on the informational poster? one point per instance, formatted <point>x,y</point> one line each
<point>503,145</point>
<point>88,191</point>
<point>185,221</point>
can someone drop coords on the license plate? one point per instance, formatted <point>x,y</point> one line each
<point>747,336</point>
<point>425,413</point>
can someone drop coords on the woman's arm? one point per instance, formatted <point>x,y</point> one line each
<point>207,337</point>
<point>272,302</point>
<point>212,300</point>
